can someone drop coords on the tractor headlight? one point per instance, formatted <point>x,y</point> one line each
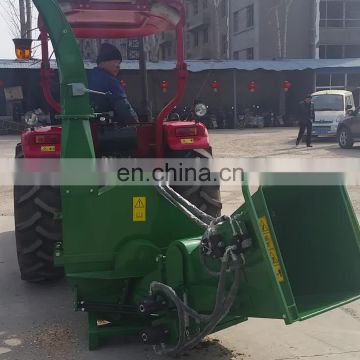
<point>31,118</point>
<point>200,110</point>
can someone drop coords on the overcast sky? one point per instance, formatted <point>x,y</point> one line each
<point>7,50</point>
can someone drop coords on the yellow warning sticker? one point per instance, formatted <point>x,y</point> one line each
<point>187,141</point>
<point>271,248</point>
<point>139,209</point>
<point>50,148</point>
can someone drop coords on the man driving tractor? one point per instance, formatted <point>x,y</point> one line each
<point>104,79</point>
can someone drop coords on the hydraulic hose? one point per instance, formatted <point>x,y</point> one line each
<point>158,287</point>
<point>218,315</point>
<point>222,307</point>
<point>198,221</point>
<point>192,208</point>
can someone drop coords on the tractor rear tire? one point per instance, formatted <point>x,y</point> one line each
<point>37,231</point>
<point>206,197</point>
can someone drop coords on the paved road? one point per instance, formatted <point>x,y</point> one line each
<point>37,322</point>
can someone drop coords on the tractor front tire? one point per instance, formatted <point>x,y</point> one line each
<point>37,231</point>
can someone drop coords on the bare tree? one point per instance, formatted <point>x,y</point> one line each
<point>152,47</point>
<point>288,4</point>
<point>217,28</point>
<point>29,19</point>
<point>18,16</point>
<point>278,32</point>
<point>282,10</point>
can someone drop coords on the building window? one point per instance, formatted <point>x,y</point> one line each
<point>187,9</point>
<point>339,51</point>
<point>334,52</point>
<point>206,35</point>
<point>196,7</point>
<point>196,38</point>
<point>223,8</point>
<point>243,19</point>
<point>353,81</point>
<point>187,41</point>
<point>250,53</point>
<point>250,16</point>
<point>236,22</point>
<point>163,53</point>
<point>340,14</point>
<point>352,51</point>
<point>352,14</point>
<point>245,54</point>
<point>331,81</point>
<point>224,44</point>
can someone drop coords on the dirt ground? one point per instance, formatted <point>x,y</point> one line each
<point>38,323</point>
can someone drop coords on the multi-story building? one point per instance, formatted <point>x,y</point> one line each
<point>268,29</point>
<point>259,29</point>
<point>339,29</point>
<point>90,47</point>
<point>300,29</point>
<point>208,30</point>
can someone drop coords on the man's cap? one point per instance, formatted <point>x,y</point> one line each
<point>108,52</point>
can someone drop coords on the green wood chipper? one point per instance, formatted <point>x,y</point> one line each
<point>144,261</point>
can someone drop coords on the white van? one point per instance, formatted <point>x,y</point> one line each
<point>331,107</point>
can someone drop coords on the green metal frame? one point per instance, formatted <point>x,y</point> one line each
<point>110,260</point>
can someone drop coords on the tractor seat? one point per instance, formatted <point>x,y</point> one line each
<point>115,141</point>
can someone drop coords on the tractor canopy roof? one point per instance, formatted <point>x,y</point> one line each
<point>121,18</point>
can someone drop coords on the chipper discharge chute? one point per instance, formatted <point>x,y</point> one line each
<point>144,261</point>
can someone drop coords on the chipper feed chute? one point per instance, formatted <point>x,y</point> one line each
<point>273,258</point>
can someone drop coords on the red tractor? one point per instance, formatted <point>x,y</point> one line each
<point>37,229</point>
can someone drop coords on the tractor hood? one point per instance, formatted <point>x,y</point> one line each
<point>120,18</point>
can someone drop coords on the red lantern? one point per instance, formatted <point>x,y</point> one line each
<point>123,84</point>
<point>2,83</point>
<point>252,86</point>
<point>215,86</point>
<point>164,85</point>
<point>286,85</point>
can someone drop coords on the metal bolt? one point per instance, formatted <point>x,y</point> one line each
<point>67,191</point>
<point>91,190</point>
<point>144,337</point>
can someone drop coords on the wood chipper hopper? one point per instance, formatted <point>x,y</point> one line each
<point>174,274</point>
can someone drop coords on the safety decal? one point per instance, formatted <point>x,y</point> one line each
<point>271,248</point>
<point>139,209</point>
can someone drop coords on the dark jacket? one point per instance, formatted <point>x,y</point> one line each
<point>307,112</point>
<point>116,101</point>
